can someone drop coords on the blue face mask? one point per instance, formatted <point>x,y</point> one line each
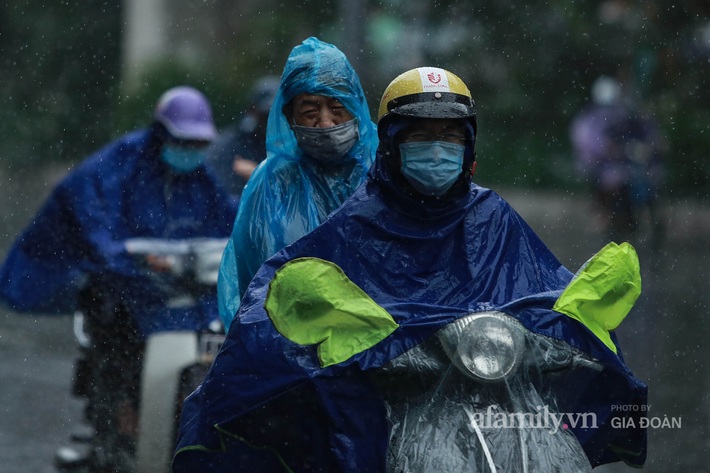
<point>432,167</point>
<point>181,159</point>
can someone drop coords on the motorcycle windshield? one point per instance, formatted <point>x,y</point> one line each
<point>445,417</point>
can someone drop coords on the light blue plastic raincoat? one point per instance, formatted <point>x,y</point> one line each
<point>290,194</point>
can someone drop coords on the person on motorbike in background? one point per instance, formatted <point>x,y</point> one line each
<point>320,143</point>
<point>150,183</point>
<point>234,155</point>
<point>620,153</point>
<point>417,247</point>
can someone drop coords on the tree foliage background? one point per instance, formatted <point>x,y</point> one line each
<point>529,65</point>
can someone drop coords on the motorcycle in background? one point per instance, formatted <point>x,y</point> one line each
<point>173,363</point>
<point>620,152</point>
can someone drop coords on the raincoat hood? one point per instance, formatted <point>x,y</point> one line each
<point>400,193</point>
<point>319,68</point>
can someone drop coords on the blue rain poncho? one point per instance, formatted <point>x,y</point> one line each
<point>290,194</point>
<point>123,191</point>
<point>290,390</point>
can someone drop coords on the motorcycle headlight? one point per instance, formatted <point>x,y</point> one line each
<point>484,346</point>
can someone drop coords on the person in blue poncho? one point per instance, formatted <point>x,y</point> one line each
<point>416,250</point>
<point>320,143</point>
<point>150,183</point>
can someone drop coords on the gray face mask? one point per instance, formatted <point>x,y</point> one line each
<point>327,145</point>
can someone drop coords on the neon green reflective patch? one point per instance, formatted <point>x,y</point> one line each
<point>603,291</point>
<point>312,301</point>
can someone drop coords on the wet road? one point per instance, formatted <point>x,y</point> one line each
<point>664,339</point>
<point>36,411</point>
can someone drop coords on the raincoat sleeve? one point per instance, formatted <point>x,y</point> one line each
<point>41,271</point>
<point>250,244</point>
<point>71,234</point>
<point>115,194</point>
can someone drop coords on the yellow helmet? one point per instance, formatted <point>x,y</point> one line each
<point>427,92</point>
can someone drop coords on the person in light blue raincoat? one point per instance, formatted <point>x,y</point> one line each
<point>415,249</point>
<point>320,143</point>
<point>150,183</point>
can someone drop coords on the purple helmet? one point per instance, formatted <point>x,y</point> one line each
<point>186,113</point>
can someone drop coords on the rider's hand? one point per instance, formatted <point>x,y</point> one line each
<point>159,264</point>
<point>243,167</point>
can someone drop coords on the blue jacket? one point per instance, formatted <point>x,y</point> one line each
<point>289,388</point>
<point>122,191</point>
<point>290,194</point>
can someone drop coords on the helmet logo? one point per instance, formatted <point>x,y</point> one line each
<point>433,79</point>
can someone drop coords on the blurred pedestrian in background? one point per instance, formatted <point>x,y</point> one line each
<point>619,152</point>
<point>320,144</point>
<point>240,147</point>
<point>150,183</point>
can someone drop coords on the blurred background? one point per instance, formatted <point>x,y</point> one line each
<point>75,75</point>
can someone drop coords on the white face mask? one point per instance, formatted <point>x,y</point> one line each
<point>327,145</point>
<point>432,167</point>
